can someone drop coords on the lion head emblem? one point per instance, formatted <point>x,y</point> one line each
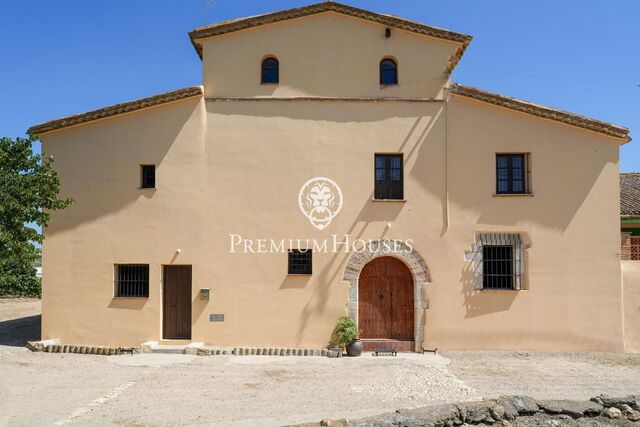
<point>320,200</point>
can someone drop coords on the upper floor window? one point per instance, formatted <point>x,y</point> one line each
<point>270,70</point>
<point>512,174</point>
<point>389,177</point>
<point>148,176</point>
<point>388,72</point>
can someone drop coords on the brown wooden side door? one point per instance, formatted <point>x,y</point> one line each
<point>385,300</point>
<point>176,305</point>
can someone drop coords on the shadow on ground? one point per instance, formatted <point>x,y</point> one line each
<point>16,332</point>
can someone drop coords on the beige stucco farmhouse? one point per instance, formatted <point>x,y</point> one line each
<point>328,166</point>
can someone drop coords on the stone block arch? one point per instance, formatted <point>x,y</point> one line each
<point>411,258</point>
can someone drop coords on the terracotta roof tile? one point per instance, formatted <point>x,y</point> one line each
<point>330,6</point>
<point>542,111</point>
<point>630,194</point>
<point>115,110</point>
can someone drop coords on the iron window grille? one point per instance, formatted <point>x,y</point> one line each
<point>498,268</point>
<point>300,261</point>
<point>497,261</point>
<point>270,71</point>
<point>388,72</point>
<point>389,179</point>
<point>148,176</point>
<point>132,280</point>
<point>512,174</point>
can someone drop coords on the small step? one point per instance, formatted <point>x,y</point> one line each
<point>183,347</point>
<point>168,349</point>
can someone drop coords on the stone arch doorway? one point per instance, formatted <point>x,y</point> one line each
<point>412,260</point>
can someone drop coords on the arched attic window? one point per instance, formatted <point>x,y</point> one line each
<point>270,71</point>
<point>388,72</point>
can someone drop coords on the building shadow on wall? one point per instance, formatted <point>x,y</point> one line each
<point>16,332</point>
<point>479,303</point>
<point>371,212</point>
<point>108,178</point>
<point>128,303</point>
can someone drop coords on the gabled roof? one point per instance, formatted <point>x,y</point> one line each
<point>542,111</point>
<point>630,194</point>
<point>115,110</point>
<point>330,6</point>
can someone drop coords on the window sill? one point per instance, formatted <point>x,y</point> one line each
<point>147,188</point>
<point>500,290</point>
<point>268,84</point>
<point>513,195</point>
<point>299,274</point>
<point>389,200</point>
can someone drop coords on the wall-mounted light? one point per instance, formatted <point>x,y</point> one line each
<point>387,32</point>
<point>205,293</point>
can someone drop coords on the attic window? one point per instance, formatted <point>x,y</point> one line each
<point>388,72</point>
<point>270,71</point>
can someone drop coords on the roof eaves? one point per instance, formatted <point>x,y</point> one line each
<point>542,111</point>
<point>115,110</point>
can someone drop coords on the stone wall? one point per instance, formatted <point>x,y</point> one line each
<point>510,410</point>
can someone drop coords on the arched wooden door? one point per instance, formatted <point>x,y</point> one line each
<point>385,300</point>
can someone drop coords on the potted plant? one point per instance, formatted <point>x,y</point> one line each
<point>346,335</point>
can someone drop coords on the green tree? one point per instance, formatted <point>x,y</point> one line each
<point>29,189</point>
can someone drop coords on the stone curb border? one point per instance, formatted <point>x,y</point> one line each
<point>80,349</point>
<point>264,351</point>
<point>53,346</point>
<point>619,410</point>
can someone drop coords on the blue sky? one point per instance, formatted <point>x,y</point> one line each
<point>68,56</point>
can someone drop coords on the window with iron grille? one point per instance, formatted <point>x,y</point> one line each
<point>512,174</point>
<point>498,267</point>
<point>148,176</point>
<point>497,261</point>
<point>389,178</point>
<point>300,261</point>
<point>132,280</point>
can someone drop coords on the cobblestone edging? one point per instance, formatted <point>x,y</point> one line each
<point>43,346</point>
<point>509,410</point>
<point>80,349</point>
<point>264,351</point>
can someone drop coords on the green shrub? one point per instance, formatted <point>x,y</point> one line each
<point>345,332</point>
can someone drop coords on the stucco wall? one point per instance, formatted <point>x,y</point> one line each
<point>631,283</point>
<point>333,55</point>
<point>237,167</point>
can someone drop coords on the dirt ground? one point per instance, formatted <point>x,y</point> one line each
<point>162,390</point>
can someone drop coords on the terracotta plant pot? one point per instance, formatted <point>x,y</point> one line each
<point>354,348</point>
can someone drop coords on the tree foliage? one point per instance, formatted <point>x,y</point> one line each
<point>29,190</point>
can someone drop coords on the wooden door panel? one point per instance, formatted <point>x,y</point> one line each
<point>176,323</point>
<point>385,300</point>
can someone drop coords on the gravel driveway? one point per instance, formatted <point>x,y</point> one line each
<point>150,390</point>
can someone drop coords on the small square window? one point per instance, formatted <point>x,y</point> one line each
<point>132,280</point>
<point>300,261</point>
<point>148,176</point>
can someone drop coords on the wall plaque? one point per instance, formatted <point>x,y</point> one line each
<point>217,317</point>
